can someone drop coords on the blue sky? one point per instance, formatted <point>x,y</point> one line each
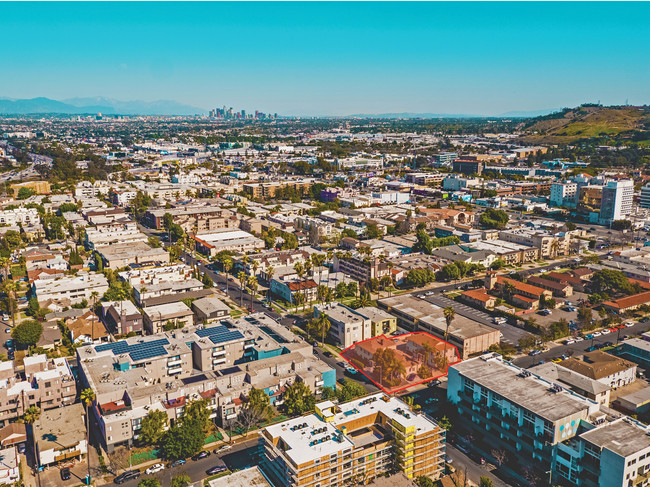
<point>331,58</point>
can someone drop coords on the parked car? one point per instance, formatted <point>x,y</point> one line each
<point>327,354</point>
<point>628,324</point>
<point>157,467</point>
<point>129,475</point>
<point>342,364</point>
<point>597,334</point>
<point>177,463</point>
<point>65,473</point>
<point>569,341</point>
<point>434,383</point>
<point>223,448</point>
<point>535,352</point>
<point>215,470</point>
<point>351,370</point>
<point>606,331</point>
<point>200,455</point>
<point>21,448</point>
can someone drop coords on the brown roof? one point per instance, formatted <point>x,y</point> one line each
<point>13,433</point>
<point>597,364</point>
<point>564,277</point>
<point>84,325</point>
<point>629,301</point>
<point>548,283</point>
<point>36,273</point>
<point>478,294</point>
<point>582,272</point>
<point>301,285</point>
<point>521,286</point>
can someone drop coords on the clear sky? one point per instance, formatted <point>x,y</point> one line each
<point>331,58</point>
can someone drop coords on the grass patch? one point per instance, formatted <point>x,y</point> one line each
<point>235,313</point>
<point>144,456</point>
<point>213,438</point>
<point>18,271</point>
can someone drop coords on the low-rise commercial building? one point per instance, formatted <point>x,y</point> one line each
<point>226,239</point>
<point>413,314</point>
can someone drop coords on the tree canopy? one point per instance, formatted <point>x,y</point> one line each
<point>152,427</point>
<point>298,399</point>
<point>493,218</point>
<point>27,333</point>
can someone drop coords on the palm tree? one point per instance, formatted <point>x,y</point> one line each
<point>270,272</point>
<point>94,295</point>
<point>11,288</point>
<point>5,262</point>
<point>226,264</point>
<point>324,325</point>
<point>252,284</point>
<point>450,314</point>
<point>30,417</point>
<point>243,278</point>
<point>300,270</point>
<point>554,248</point>
<point>87,397</point>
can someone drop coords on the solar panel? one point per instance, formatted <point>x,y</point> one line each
<point>226,337</point>
<point>148,352</point>
<point>213,330</point>
<point>123,347</point>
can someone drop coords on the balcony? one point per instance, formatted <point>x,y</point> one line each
<point>173,363</point>
<point>219,361</point>
<point>217,353</point>
<point>176,370</point>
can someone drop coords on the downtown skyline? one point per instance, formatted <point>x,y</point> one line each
<point>332,59</point>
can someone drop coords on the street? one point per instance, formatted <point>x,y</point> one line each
<point>239,457</point>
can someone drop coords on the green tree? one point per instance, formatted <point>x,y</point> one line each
<point>298,399</point>
<point>485,482</point>
<point>373,231</point>
<point>612,280</point>
<point>445,424</point>
<point>493,218</point>
<point>350,390</point>
<point>181,480</point>
<point>149,482</point>
<point>31,415</point>
<point>24,193</point>
<point>198,413</point>
<point>27,333</point>
<point>585,315</point>
<point>182,441</point>
<point>152,427</point>
<point>424,481</point>
<point>449,272</point>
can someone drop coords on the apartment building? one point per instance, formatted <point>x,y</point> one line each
<point>220,363</point>
<point>347,325</point>
<point>60,435</point>
<point>353,443</point>
<point>39,187</point>
<point>644,202</point>
<point>210,309</point>
<point>122,317</point>
<point>617,201</point>
<point>564,194</point>
<point>607,369</point>
<point>156,317</point>
<point>361,268</point>
<point>20,216</point>
<point>381,323</point>
<point>44,383</point>
<point>194,219</point>
<point>146,293</point>
<point>269,190</point>
<point>97,238</point>
<point>75,288</point>
<point>505,407</point>
<point>88,189</point>
<point>413,314</point>
<point>227,239</point>
<point>120,255</point>
<point>549,245</point>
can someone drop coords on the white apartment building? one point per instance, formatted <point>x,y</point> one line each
<point>347,326</point>
<point>75,288</point>
<point>86,189</point>
<point>616,203</point>
<point>96,238</point>
<point>23,216</point>
<point>564,194</point>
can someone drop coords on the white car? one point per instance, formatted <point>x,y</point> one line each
<point>155,468</point>
<point>578,339</point>
<point>629,323</point>
<point>597,334</point>
<point>604,332</point>
<point>570,341</point>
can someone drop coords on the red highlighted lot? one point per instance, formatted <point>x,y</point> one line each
<point>397,363</point>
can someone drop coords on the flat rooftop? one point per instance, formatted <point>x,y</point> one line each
<point>431,315</point>
<point>623,437</point>
<point>531,393</point>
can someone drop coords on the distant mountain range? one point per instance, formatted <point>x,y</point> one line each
<point>514,114</point>
<point>78,106</point>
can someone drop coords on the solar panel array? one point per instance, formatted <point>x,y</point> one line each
<point>220,334</point>
<point>137,351</point>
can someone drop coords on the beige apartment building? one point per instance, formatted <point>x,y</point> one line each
<point>353,443</point>
<point>47,383</point>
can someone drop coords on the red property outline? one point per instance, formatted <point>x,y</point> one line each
<point>391,338</point>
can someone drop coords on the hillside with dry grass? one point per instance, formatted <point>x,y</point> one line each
<point>586,122</point>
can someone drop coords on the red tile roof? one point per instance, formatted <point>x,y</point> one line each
<point>301,285</point>
<point>478,294</point>
<point>521,286</point>
<point>629,301</point>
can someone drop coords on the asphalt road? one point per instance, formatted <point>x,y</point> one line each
<point>196,469</point>
<point>580,347</point>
